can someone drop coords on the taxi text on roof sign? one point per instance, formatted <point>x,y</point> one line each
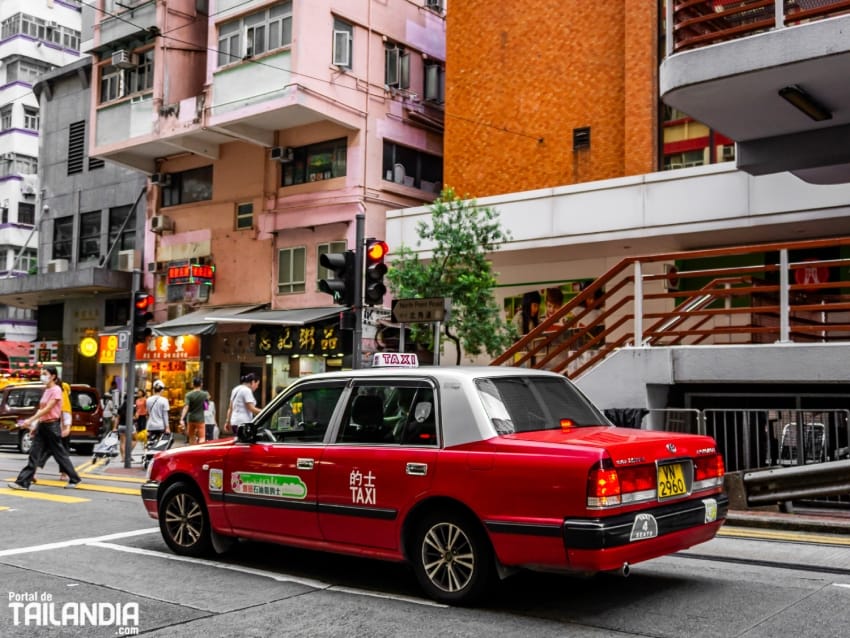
<point>394,360</point>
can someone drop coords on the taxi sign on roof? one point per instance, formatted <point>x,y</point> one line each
<point>395,360</point>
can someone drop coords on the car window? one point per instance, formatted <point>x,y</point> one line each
<point>15,399</point>
<point>31,397</point>
<point>303,416</point>
<point>387,413</point>
<point>525,404</point>
<point>83,401</point>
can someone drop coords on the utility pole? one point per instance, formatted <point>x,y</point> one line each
<point>130,385</point>
<point>357,347</point>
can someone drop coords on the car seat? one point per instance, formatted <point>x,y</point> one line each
<point>367,412</point>
<point>421,426</point>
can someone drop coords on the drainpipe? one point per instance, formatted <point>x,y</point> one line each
<point>784,311</point>
<point>638,302</point>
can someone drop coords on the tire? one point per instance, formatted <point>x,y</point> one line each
<point>184,521</point>
<point>452,558</point>
<point>24,442</point>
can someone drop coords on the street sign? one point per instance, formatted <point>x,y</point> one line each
<point>419,310</point>
<point>122,352</point>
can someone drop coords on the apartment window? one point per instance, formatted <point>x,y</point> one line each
<point>255,33</point>
<point>126,239</point>
<point>26,213</point>
<point>141,76</point>
<point>435,83</point>
<point>316,162</point>
<point>684,160</point>
<point>343,43</point>
<point>6,117</point>
<point>28,261</point>
<point>116,82</point>
<point>410,167</point>
<point>194,185</point>
<point>16,164</point>
<point>25,70</point>
<point>396,67</point>
<point>291,267</point>
<point>30,118</point>
<point>324,249</point>
<point>89,244</point>
<point>76,147</point>
<point>63,234</point>
<point>244,216</point>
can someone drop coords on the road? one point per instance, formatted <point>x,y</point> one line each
<point>96,549</point>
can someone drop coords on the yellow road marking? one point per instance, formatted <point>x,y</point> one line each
<point>132,491</point>
<point>44,496</point>
<point>779,535</point>
<point>3,508</point>
<point>121,479</point>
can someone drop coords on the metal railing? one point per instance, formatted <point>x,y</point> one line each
<point>695,23</point>
<point>754,294</point>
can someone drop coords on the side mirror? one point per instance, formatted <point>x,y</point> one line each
<point>246,433</point>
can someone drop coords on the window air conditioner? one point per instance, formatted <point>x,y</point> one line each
<point>282,154</point>
<point>123,59</point>
<point>27,189</point>
<point>437,5</point>
<point>160,223</point>
<point>57,265</point>
<point>161,179</point>
<point>127,260</point>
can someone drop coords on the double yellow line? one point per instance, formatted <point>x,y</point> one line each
<point>781,535</point>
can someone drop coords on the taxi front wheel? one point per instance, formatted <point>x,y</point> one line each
<point>184,522</point>
<point>452,558</point>
<point>24,441</point>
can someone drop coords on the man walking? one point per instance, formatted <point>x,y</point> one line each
<point>157,406</point>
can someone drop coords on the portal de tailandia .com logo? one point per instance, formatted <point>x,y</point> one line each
<point>38,609</point>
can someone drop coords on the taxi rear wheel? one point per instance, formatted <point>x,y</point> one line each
<point>452,558</point>
<point>184,522</point>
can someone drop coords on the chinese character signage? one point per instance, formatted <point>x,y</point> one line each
<point>315,338</point>
<point>191,274</point>
<point>178,348</point>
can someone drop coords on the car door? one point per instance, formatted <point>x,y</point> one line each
<point>269,487</point>
<point>381,462</point>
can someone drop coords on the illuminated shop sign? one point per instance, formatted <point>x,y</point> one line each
<point>178,348</point>
<point>316,338</point>
<point>191,274</point>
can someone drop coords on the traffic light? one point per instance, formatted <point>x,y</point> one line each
<point>344,280</point>
<point>374,288</point>
<point>142,305</point>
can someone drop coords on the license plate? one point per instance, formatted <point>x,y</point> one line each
<point>78,428</point>
<point>671,481</point>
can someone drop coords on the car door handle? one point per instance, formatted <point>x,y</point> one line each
<point>416,469</point>
<point>304,464</point>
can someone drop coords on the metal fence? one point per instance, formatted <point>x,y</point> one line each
<point>754,439</point>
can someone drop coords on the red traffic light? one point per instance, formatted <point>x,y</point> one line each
<point>143,301</point>
<point>376,250</point>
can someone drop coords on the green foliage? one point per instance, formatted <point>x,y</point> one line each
<point>462,234</point>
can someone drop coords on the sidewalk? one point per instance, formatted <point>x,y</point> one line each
<point>831,521</point>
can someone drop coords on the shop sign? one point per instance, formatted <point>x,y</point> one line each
<point>167,366</point>
<point>169,348</point>
<point>115,348</point>
<point>191,274</point>
<point>315,338</point>
<point>44,351</point>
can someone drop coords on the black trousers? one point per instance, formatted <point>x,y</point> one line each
<point>47,441</point>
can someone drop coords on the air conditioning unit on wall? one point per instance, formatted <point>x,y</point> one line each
<point>161,223</point>
<point>57,265</point>
<point>282,154</point>
<point>161,179</point>
<point>123,59</point>
<point>127,260</point>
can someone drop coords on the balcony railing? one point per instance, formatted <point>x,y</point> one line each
<point>645,301</point>
<point>695,23</point>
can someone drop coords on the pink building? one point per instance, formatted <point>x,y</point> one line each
<point>265,127</point>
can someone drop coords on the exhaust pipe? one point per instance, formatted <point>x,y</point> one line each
<point>625,570</point>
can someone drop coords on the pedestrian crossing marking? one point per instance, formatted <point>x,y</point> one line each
<point>43,496</point>
<point>112,489</point>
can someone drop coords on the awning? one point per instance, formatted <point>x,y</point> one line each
<point>295,317</point>
<point>198,322</point>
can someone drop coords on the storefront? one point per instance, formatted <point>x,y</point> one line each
<point>173,360</point>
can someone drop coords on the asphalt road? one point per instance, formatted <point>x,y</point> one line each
<point>96,549</point>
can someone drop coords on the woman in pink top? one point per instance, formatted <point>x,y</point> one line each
<point>46,428</point>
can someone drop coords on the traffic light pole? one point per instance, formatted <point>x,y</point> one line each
<point>130,385</point>
<point>357,347</point>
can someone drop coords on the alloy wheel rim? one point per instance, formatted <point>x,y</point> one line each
<point>448,557</point>
<point>184,520</point>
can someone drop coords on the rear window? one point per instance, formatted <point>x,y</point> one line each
<point>24,397</point>
<point>526,404</point>
<point>83,401</point>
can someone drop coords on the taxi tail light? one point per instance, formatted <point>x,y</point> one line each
<point>709,471</point>
<point>609,487</point>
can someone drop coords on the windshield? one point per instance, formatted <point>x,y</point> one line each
<point>526,404</point>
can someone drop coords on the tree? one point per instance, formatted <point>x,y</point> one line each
<point>462,234</point>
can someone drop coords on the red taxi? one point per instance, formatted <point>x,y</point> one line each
<point>467,473</point>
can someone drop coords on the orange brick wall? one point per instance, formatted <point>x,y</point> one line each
<point>520,76</point>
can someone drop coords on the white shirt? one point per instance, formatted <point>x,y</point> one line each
<point>239,400</point>
<point>157,413</point>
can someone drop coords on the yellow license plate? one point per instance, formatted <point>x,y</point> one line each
<point>78,428</point>
<point>671,481</point>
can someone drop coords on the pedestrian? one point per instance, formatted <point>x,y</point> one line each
<point>527,318</point>
<point>210,427</point>
<point>157,407</point>
<point>119,425</point>
<point>65,431</point>
<point>141,411</point>
<point>47,423</point>
<point>243,403</point>
<point>192,416</point>
<point>107,407</point>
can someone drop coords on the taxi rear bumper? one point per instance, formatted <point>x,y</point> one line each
<point>615,531</point>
